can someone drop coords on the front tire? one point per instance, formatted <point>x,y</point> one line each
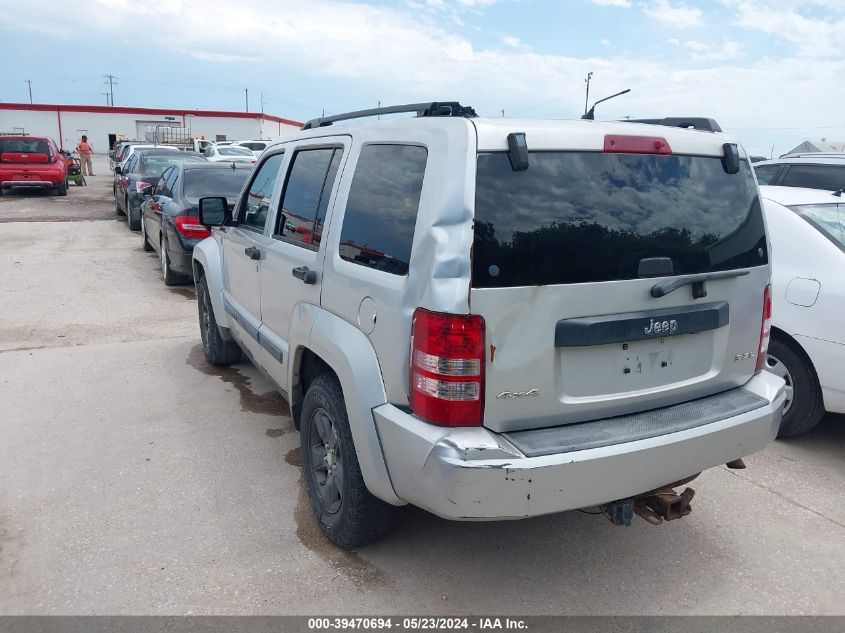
<point>348,514</point>
<point>804,406</point>
<point>217,350</point>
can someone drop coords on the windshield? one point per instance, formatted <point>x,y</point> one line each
<point>201,183</point>
<point>828,219</point>
<point>578,217</point>
<point>157,164</point>
<point>234,151</point>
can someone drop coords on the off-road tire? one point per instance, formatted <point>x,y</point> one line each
<point>217,351</point>
<point>132,223</point>
<point>362,518</point>
<point>61,188</point>
<point>807,408</point>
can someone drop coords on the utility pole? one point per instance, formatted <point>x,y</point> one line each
<point>112,84</point>
<point>378,117</point>
<point>246,98</point>
<point>262,102</point>
<point>587,99</point>
<point>107,97</point>
<point>29,82</point>
<point>503,113</point>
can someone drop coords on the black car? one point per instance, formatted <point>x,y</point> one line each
<point>140,173</point>
<point>169,220</point>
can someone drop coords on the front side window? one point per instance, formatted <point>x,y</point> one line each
<point>381,211</point>
<point>766,174</point>
<point>307,195</point>
<point>830,177</point>
<point>256,203</point>
<point>581,217</point>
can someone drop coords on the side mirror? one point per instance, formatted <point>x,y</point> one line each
<point>118,170</point>
<point>214,211</point>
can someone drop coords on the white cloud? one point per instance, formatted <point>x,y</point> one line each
<point>709,52</point>
<point>511,41</point>
<point>613,3</point>
<point>679,15</point>
<point>810,37</point>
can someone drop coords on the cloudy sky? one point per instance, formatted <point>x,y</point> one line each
<point>770,71</point>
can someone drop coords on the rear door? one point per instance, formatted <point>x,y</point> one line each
<point>291,274</point>
<point>566,260</point>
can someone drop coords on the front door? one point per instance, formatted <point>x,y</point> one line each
<point>291,274</point>
<point>243,250</point>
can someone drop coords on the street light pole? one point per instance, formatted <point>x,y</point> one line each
<point>587,98</point>
<point>246,98</point>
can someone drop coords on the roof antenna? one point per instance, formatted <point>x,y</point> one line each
<point>591,113</point>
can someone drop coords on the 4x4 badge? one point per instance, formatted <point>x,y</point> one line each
<point>507,395</point>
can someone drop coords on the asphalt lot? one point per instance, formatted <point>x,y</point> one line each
<point>137,479</point>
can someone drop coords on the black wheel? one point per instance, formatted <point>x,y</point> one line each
<point>117,209</point>
<point>217,350</point>
<point>132,223</point>
<point>144,241</point>
<point>804,407</point>
<point>347,513</point>
<point>61,188</point>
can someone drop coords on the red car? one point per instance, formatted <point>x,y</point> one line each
<point>31,161</point>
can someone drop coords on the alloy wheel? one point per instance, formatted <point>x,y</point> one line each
<point>326,461</point>
<point>776,367</point>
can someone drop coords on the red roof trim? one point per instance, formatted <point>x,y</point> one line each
<point>42,107</point>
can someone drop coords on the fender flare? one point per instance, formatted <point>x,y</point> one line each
<point>207,255</point>
<point>350,354</point>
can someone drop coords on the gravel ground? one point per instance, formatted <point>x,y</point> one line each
<point>137,479</point>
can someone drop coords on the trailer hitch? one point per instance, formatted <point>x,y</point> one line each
<point>655,506</point>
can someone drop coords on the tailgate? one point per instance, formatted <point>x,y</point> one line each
<point>565,259</point>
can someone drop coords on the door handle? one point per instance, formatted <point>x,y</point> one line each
<point>253,252</point>
<point>307,276</point>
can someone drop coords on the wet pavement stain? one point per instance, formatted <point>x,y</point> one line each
<point>187,293</point>
<point>277,432</point>
<point>270,403</point>
<point>308,531</point>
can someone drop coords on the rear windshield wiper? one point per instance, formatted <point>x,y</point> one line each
<point>697,281</point>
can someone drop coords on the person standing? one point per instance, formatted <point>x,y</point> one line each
<point>85,150</point>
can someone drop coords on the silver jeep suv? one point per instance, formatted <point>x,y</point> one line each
<point>497,318</point>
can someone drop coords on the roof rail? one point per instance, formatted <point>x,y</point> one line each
<point>696,123</point>
<point>432,108</point>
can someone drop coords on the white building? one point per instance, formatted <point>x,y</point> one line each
<point>103,125</point>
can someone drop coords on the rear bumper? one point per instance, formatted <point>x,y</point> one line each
<point>39,184</point>
<point>473,473</point>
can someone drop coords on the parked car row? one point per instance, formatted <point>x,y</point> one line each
<point>157,189</point>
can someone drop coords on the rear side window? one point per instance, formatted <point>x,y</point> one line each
<point>830,177</point>
<point>307,194</point>
<point>381,211</point>
<point>580,217</point>
<point>767,173</point>
<point>201,183</point>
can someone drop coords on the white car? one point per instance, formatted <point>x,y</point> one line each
<point>256,147</point>
<point>228,154</point>
<point>807,347</point>
<point>813,170</point>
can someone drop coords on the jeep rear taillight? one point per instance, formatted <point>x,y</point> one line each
<point>447,368</point>
<point>189,226</point>
<point>765,329</point>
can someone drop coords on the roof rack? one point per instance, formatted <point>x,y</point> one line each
<point>433,108</point>
<point>696,123</point>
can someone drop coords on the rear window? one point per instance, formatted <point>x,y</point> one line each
<point>201,183</point>
<point>23,146</point>
<point>830,177</point>
<point>579,217</point>
<point>828,219</point>
<point>157,164</point>
<point>234,151</point>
